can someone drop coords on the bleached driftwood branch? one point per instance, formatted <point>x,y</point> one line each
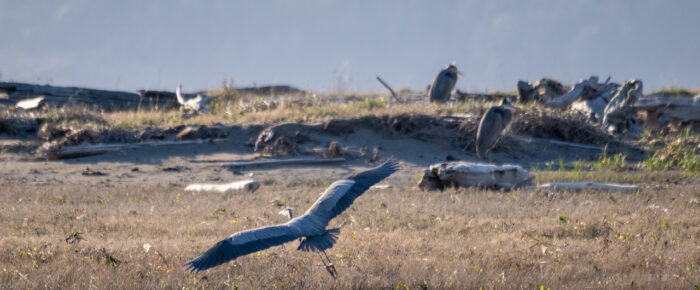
<point>31,104</point>
<point>245,185</point>
<point>619,114</point>
<point>273,162</point>
<point>393,94</point>
<point>586,90</point>
<point>562,186</point>
<point>557,142</point>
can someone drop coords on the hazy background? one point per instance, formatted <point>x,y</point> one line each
<point>328,45</point>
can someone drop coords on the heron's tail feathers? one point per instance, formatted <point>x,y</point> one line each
<point>321,242</point>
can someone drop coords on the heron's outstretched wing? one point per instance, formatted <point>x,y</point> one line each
<point>241,244</point>
<point>357,184</point>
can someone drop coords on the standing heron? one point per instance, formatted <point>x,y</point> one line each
<point>493,123</point>
<point>444,83</point>
<point>311,226</point>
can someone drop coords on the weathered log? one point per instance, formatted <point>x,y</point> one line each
<point>465,96</point>
<point>591,108</point>
<point>661,110</point>
<point>31,104</point>
<point>585,90</point>
<point>61,96</point>
<point>526,92</point>
<point>243,185</point>
<point>567,99</point>
<point>563,186</point>
<point>557,142</point>
<point>619,116</point>
<point>542,90</point>
<point>467,174</point>
<point>270,90</point>
<point>96,149</point>
<point>276,162</point>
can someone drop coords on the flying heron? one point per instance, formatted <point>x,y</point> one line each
<point>310,228</point>
<point>444,83</point>
<point>493,123</point>
<point>195,104</point>
<point>289,213</point>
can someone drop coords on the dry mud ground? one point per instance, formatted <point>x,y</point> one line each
<point>62,229</point>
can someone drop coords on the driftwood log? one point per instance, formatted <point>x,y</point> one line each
<point>542,90</point>
<point>243,185</point>
<point>61,96</point>
<point>563,186</point>
<point>465,96</point>
<point>467,174</point>
<point>31,104</point>
<point>96,149</point>
<point>278,162</point>
<point>662,110</point>
<point>619,116</point>
<point>585,90</point>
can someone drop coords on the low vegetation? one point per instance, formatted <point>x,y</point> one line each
<point>674,151</point>
<point>673,91</point>
<point>139,235</point>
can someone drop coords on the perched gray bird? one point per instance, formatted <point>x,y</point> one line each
<point>311,226</point>
<point>444,83</point>
<point>492,125</point>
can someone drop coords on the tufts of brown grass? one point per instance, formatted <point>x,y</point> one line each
<point>83,236</point>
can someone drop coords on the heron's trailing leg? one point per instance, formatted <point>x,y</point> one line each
<point>329,265</point>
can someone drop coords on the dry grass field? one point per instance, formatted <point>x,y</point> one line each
<point>135,226</point>
<point>92,235</point>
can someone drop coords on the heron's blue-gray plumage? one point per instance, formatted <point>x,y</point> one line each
<point>442,86</point>
<point>241,244</point>
<point>312,225</point>
<point>321,242</point>
<point>342,193</point>
<point>491,127</point>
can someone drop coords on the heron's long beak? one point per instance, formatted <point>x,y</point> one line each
<point>460,73</point>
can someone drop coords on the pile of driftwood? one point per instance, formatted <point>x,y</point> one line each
<point>614,106</point>
<point>606,103</point>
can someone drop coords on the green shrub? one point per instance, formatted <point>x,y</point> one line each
<point>674,156</point>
